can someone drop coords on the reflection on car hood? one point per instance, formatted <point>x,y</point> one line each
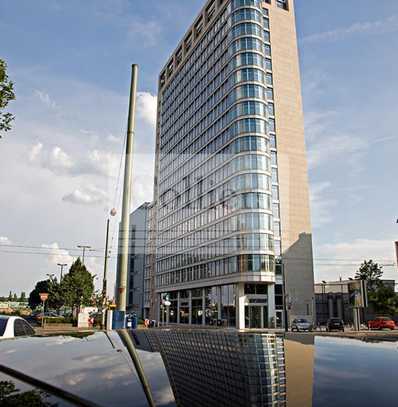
<point>96,367</point>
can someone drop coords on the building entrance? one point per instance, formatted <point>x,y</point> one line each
<point>256,316</point>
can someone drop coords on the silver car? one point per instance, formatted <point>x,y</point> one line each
<point>301,325</point>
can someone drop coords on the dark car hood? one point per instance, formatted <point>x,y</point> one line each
<point>96,367</point>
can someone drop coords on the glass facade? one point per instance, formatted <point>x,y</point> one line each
<point>217,176</point>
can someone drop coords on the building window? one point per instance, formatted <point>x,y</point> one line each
<point>282,4</point>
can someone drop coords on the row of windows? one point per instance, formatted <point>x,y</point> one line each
<point>205,165</point>
<point>175,198</point>
<point>258,242</point>
<point>251,44</point>
<point>252,200</point>
<point>254,181</point>
<point>237,223</point>
<point>202,144</point>
<point>236,264</point>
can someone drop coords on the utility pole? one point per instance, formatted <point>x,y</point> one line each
<point>84,248</point>
<point>61,265</point>
<point>121,279</point>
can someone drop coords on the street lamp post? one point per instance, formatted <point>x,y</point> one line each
<point>61,265</point>
<point>84,248</point>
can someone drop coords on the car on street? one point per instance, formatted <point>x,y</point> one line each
<point>47,314</point>
<point>12,327</point>
<point>382,323</point>
<point>335,324</point>
<point>301,324</point>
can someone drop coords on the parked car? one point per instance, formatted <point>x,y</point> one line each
<point>335,324</point>
<point>381,323</point>
<point>301,325</point>
<point>47,314</point>
<point>11,327</point>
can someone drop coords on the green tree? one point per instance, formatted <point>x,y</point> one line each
<point>384,300</point>
<point>55,294</point>
<point>10,296</point>
<point>34,296</point>
<point>6,95</point>
<point>50,286</point>
<point>22,298</point>
<point>11,396</point>
<point>77,286</point>
<point>371,272</point>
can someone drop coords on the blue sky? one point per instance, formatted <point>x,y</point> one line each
<point>70,61</point>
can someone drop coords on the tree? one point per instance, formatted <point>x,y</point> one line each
<point>371,272</point>
<point>10,296</point>
<point>6,95</point>
<point>384,300</point>
<point>11,396</point>
<point>77,286</point>
<point>34,297</point>
<point>50,286</point>
<point>22,298</point>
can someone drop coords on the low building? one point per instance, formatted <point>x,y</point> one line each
<point>332,300</point>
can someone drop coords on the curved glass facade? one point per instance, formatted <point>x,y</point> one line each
<point>215,205</point>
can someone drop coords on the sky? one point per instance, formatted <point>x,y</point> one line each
<point>60,166</point>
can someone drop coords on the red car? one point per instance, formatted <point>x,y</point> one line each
<point>381,323</point>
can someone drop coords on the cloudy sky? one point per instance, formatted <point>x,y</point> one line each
<point>70,61</point>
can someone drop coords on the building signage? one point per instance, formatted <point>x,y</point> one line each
<point>358,293</point>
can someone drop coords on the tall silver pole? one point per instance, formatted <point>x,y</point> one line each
<point>124,232</point>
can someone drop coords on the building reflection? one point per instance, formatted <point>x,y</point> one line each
<point>221,367</point>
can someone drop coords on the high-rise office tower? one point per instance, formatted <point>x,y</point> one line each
<point>233,244</point>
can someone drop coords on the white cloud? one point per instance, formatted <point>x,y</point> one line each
<point>89,195</point>
<point>344,258</point>
<point>35,152</point>
<point>58,161</point>
<point>147,107</point>
<point>387,25</point>
<point>102,163</point>
<point>45,99</point>
<point>57,255</point>
<point>55,160</point>
<point>4,240</point>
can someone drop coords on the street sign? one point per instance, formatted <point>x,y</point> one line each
<point>43,296</point>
